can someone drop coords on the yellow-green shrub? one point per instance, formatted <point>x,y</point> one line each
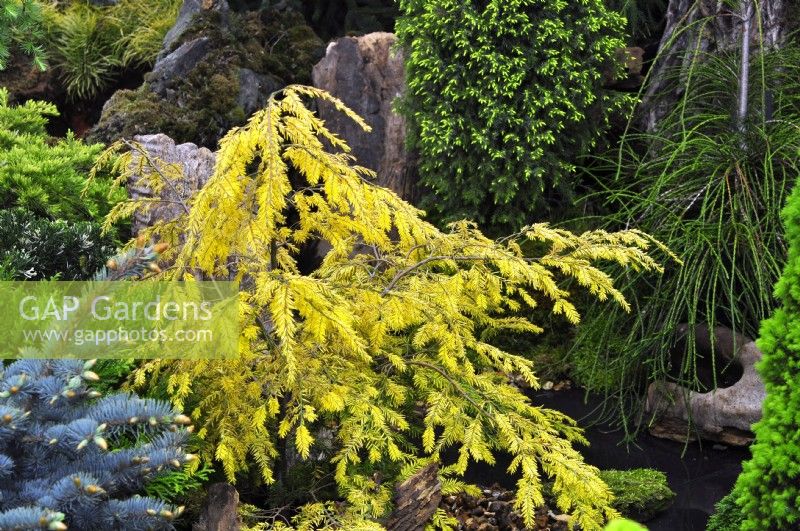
<point>389,340</point>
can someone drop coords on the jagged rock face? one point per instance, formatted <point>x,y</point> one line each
<point>725,415</point>
<point>367,74</point>
<point>197,164</point>
<point>215,69</point>
<point>178,64</point>
<point>189,9</point>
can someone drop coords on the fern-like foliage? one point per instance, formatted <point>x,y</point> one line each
<point>389,337</point>
<point>71,459</point>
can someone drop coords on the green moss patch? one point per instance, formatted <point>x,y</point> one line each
<point>277,47</point>
<point>640,493</point>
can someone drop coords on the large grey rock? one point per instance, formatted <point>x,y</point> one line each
<point>216,68</point>
<point>221,511</point>
<point>724,415</point>
<point>255,89</point>
<point>197,165</point>
<point>367,74</point>
<point>186,15</point>
<point>177,64</point>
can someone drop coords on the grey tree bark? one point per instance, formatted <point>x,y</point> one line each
<point>697,26</point>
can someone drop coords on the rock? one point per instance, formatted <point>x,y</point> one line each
<point>367,74</point>
<point>178,64</point>
<point>215,69</point>
<point>254,89</point>
<point>24,81</point>
<point>724,415</point>
<point>221,511</point>
<point>415,500</point>
<point>189,9</point>
<point>197,165</point>
<point>499,513</point>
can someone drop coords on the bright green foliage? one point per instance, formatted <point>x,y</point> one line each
<point>21,26</point>
<point>768,490</point>
<point>621,524</point>
<point>502,96</point>
<point>727,515</point>
<point>639,493</point>
<point>175,485</point>
<point>43,176</point>
<point>389,340</point>
<point>84,41</point>
<point>91,44</point>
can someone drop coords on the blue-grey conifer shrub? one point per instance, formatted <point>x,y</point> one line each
<point>70,459</point>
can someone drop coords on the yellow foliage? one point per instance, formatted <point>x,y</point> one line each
<point>392,330</point>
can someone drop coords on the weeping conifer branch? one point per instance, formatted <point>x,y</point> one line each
<point>390,334</point>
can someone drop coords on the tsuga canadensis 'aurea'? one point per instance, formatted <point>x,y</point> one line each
<point>389,339</point>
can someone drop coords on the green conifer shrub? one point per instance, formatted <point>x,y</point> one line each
<point>37,248</point>
<point>727,515</point>
<point>21,26</point>
<point>47,176</point>
<point>502,97</point>
<point>768,489</point>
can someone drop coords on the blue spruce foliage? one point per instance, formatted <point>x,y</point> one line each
<point>57,470</point>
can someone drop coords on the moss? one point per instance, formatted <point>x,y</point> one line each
<point>201,106</point>
<point>275,42</point>
<point>640,493</point>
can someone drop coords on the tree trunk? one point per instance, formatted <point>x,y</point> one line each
<point>415,500</point>
<point>699,26</point>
